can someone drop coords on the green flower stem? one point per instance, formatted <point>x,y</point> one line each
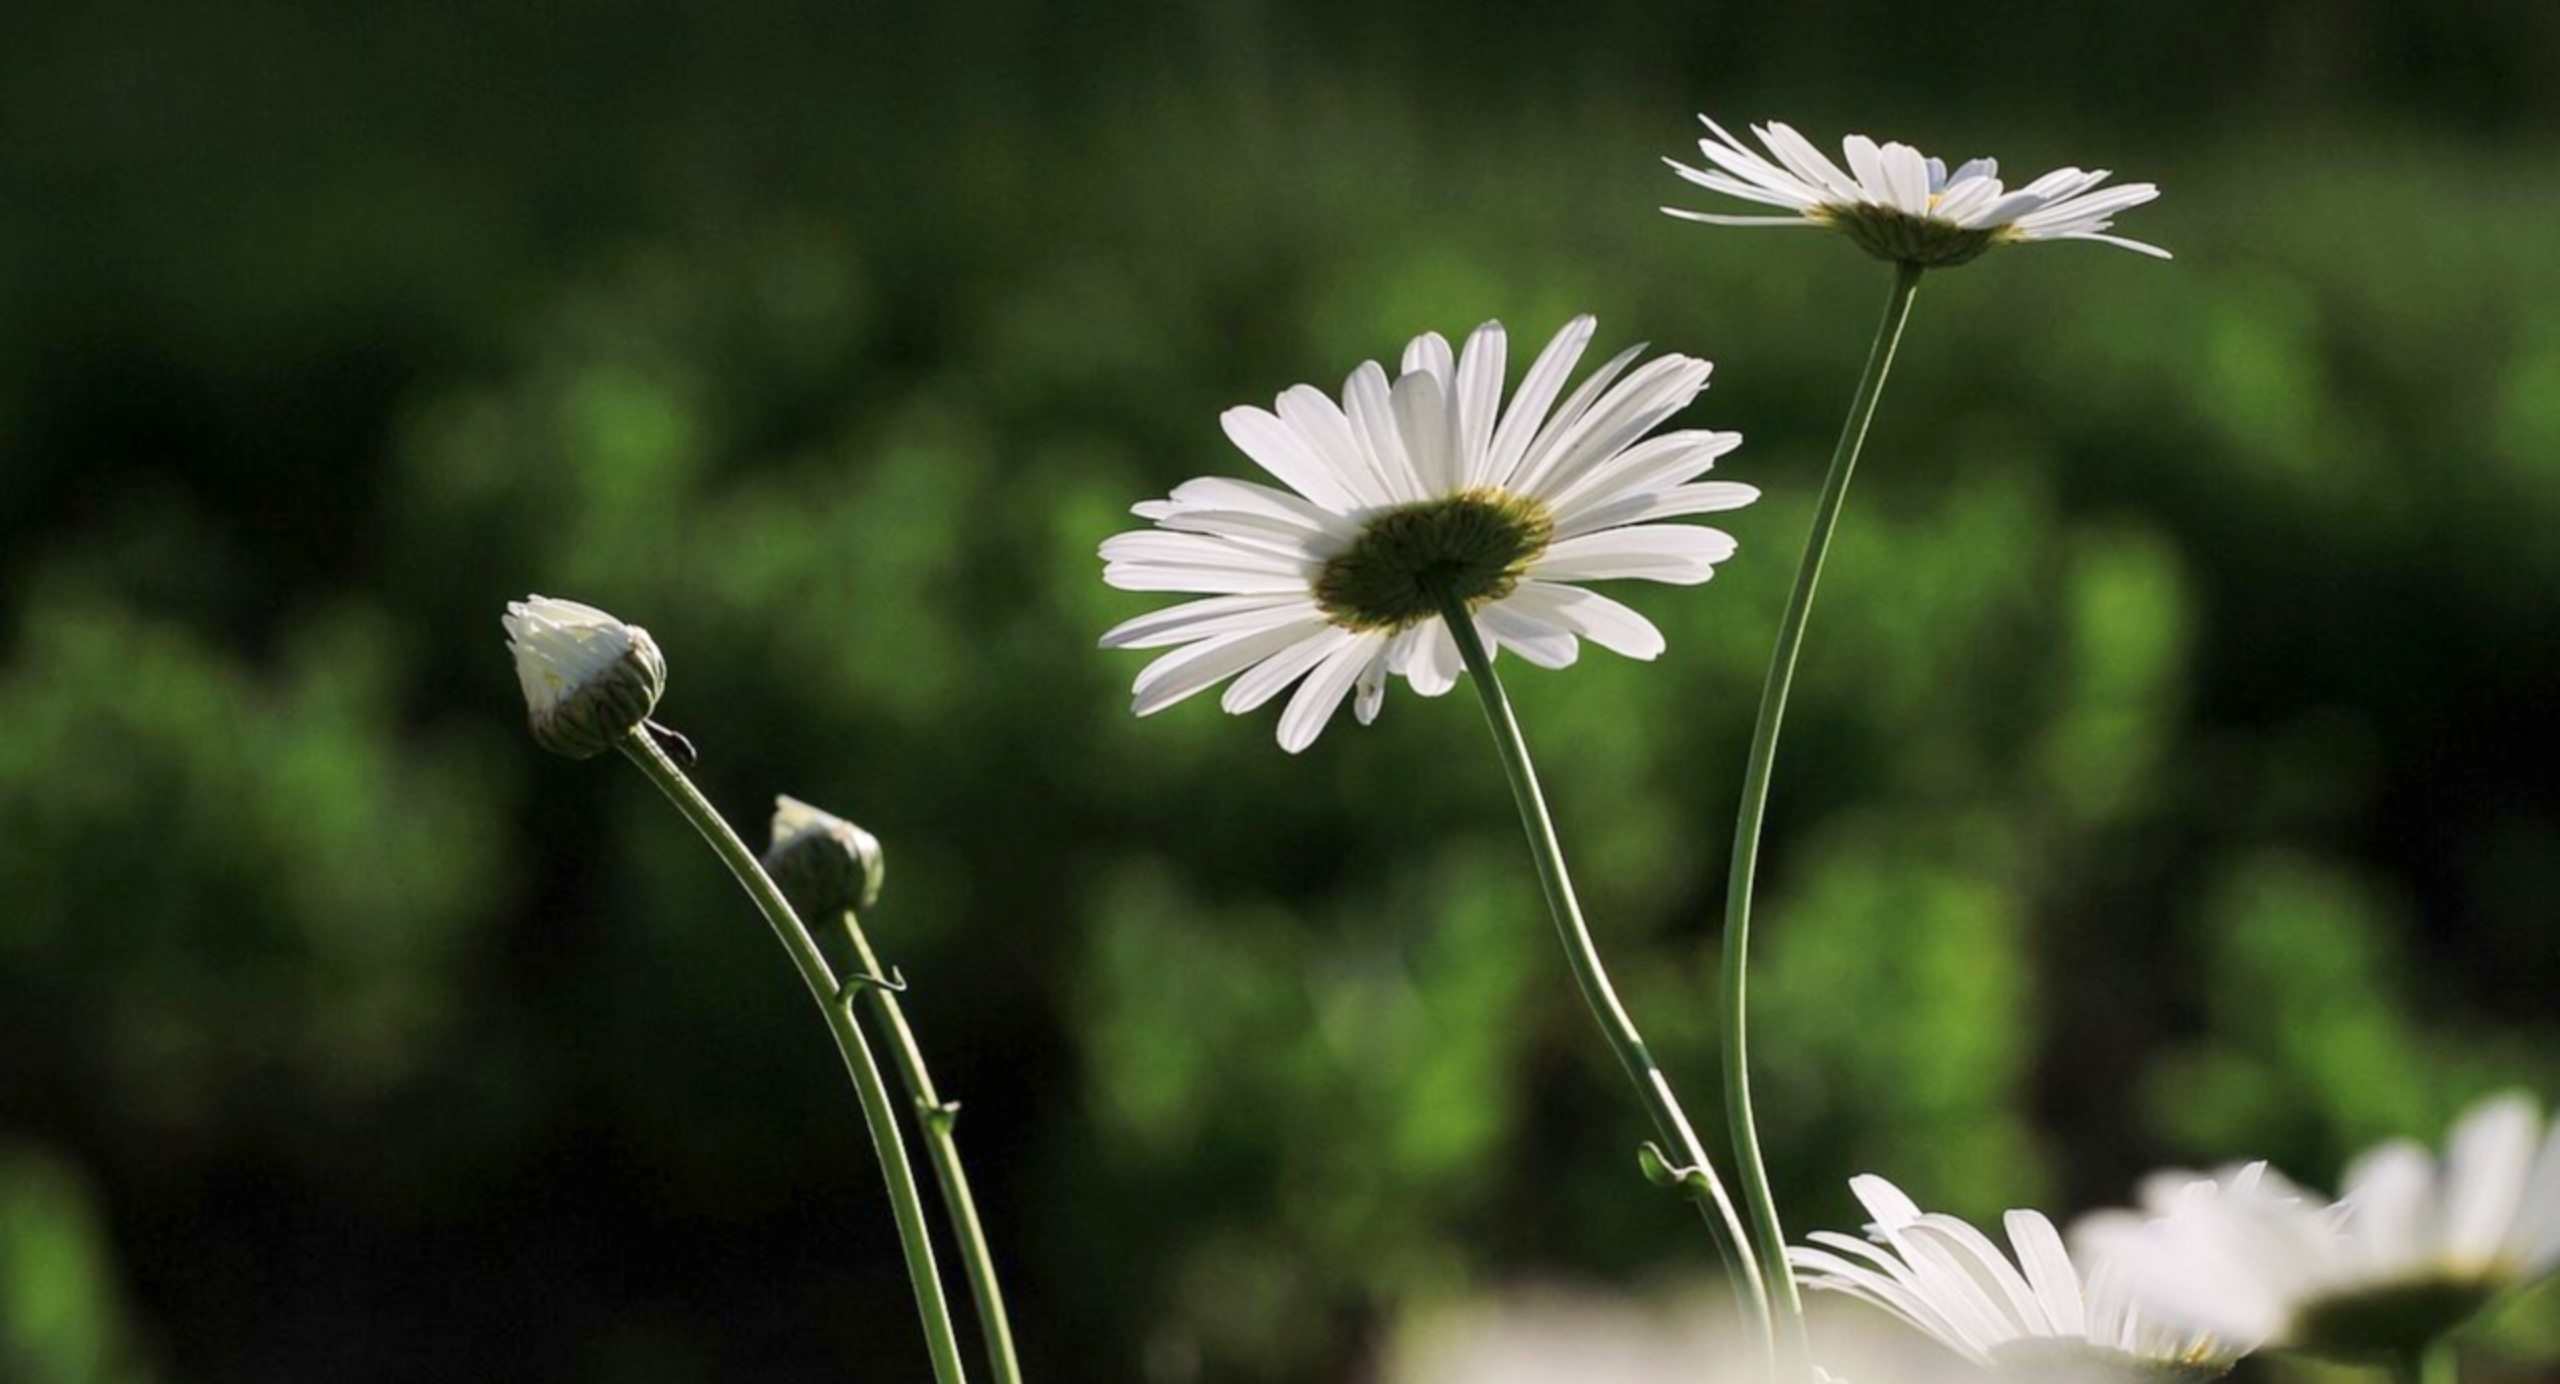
<point>944,1150</point>
<point>1652,1089</point>
<point>1770,1234</point>
<point>2439,1363</point>
<point>876,1109</point>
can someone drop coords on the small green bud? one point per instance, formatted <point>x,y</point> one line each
<point>822,863</point>
<point>588,678</point>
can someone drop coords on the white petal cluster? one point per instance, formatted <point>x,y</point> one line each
<point>588,678</point>
<point>2252,1256</point>
<point>2065,204</point>
<point>2038,1313</point>
<point>1437,431</point>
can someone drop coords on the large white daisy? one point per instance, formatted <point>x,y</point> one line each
<point>2032,1316</point>
<point>1413,492</point>
<point>2412,1250</point>
<point>1902,205</point>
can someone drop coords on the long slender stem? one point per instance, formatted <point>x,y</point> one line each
<point>944,1151</point>
<point>1653,1090</point>
<point>1771,1234</point>
<point>2440,1363</point>
<point>876,1109</point>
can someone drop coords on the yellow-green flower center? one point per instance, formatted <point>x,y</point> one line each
<point>2391,1322</point>
<point>1475,546</point>
<point>1906,239</point>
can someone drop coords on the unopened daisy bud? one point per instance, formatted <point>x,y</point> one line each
<point>589,679</point>
<point>822,863</point>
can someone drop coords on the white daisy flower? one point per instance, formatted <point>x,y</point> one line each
<point>2413,1249</point>
<point>2034,1316</point>
<point>588,678</point>
<point>1901,205</point>
<point>1412,488</point>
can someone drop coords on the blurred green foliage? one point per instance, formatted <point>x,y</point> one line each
<point>2168,779</point>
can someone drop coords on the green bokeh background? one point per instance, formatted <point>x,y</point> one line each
<point>2170,778</point>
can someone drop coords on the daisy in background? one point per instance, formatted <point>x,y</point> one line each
<point>2028,1318</point>
<point>2414,1249</point>
<point>1901,205</point>
<point>1411,490</point>
<point>1548,1334</point>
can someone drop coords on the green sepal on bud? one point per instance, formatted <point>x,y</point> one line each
<point>589,679</point>
<point>823,864</point>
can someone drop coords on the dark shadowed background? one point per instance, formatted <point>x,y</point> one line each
<point>2171,776</point>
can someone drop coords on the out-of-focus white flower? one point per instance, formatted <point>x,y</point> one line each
<point>2414,1248</point>
<point>822,863</point>
<point>1899,204</point>
<point>588,678</point>
<point>2035,1316</point>
<point>1561,1336</point>
<point>1411,491</point>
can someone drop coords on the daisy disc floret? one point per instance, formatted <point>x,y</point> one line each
<point>2025,1317</point>
<point>2413,1249</point>
<point>1898,204</point>
<point>588,678</point>
<point>1415,491</point>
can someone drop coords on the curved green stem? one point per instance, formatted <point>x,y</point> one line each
<point>876,1109</point>
<point>944,1151</point>
<point>1770,1233</point>
<point>2440,1363</point>
<point>1653,1090</point>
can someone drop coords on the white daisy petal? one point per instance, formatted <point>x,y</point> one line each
<point>1595,617</point>
<point>1264,680</point>
<point>1369,400</point>
<point>1677,554</point>
<point>1422,418</point>
<point>1203,619</point>
<point>1433,661</point>
<point>1165,547</point>
<point>1479,401</point>
<point>2048,1266</point>
<point>1278,449</point>
<point>1321,694</point>
<point>1201,581</point>
<point>1542,642</point>
<point>1708,497</point>
<point>1322,426</point>
<point>1198,667</point>
<point>1429,354</point>
<point>2487,1159</point>
<point>1369,695</point>
<point>1538,391</point>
